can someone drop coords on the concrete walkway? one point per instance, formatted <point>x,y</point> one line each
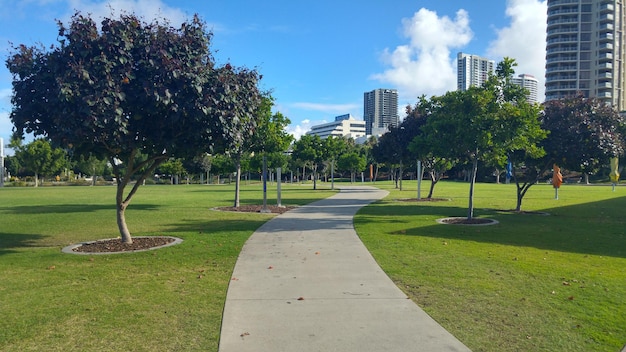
<point>304,281</point>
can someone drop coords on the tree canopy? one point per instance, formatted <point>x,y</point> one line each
<point>132,92</point>
<point>584,133</point>
<point>484,123</point>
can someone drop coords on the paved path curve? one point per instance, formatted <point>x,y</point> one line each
<point>304,281</point>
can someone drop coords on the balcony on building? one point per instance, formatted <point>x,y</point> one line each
<point>562,2</point>
<point>606,27</point>
<point>608,7</point>
<point>607,17</point>
<point>605,56</point>
<point>606,36</point>
<point>605,46</point>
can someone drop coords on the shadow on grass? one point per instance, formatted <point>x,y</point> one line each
<point>17,240</point>
<point>72,208</point>
<point>595,228</point>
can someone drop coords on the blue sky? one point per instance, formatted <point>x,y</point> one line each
<point>319,58</point>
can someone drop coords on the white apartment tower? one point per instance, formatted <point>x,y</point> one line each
<point>380,110</point>
<point>530,83</point>
<point>585,50</point>
<point>472,70</point>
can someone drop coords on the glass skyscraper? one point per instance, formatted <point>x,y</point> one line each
<point>380,110</point>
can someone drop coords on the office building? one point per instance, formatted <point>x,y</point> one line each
<point>530,83</point>
<point>380,110</point>
<point>472,70</point>
<point>585,50</point>
<point>343,126</point>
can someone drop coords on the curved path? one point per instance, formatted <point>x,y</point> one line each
<point>304,281</point>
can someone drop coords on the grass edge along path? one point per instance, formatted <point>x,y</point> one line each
<point>530,283</point>
<point>169,299</point>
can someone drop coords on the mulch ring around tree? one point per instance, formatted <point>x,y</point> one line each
<point>115,245</point>
<point>274,209</point>
<point>466,221</point>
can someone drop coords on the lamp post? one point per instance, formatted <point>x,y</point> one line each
<point>1,162</point>
<point>265,209</point>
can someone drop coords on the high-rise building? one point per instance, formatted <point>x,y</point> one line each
<point>380,110</point>
<point>530,83</point>
<point>585,50</point>
<point>472,70</point>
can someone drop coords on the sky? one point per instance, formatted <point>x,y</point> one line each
<point>318,59</point>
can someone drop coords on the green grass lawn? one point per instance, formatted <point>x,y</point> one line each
<point>532,282</point>
<point>169,299</point>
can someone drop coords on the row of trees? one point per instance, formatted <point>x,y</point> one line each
<point>38,158</point>
<point>146,95</point>
<point>496,126</point>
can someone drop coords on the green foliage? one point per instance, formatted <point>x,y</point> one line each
<point>270,134</point>
<point>483,123</point>
<point>173,167</point>
<point>309,151</point>
<point>40,158</point>
<point>91,165</point>
<point>351,162</point>
<point>584,133</point>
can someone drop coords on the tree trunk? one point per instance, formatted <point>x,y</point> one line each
<point>315,177</point>
<point>520,196</point>
<point>395,177</point>
<point>400,176</point>
<point>433,182</point>
<point>36,180</point>
<point>470,210</point>
<point>121,209</point>
<point>121,224</point>
<point>237,180</point>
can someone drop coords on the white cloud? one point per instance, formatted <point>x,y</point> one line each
<point>149,10</point>
<point>299,130</point>
<point>424,66</point>
<point>524,39</point>
<point>6,126</point>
